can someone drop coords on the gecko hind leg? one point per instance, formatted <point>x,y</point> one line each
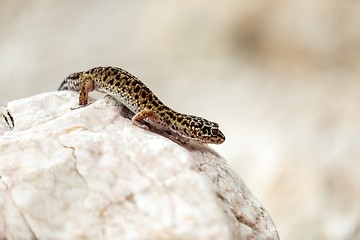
<point>87,86</point>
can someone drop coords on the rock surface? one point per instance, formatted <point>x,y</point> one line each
<point>90,174</point>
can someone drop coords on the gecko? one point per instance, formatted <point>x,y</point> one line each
<point>142,102</point>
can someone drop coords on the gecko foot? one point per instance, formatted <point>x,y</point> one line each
<point>140,124</point>
<point>81,106</point>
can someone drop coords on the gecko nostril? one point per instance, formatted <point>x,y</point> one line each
<point>214,131</point>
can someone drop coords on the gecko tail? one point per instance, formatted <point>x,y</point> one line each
<point>72,82</point>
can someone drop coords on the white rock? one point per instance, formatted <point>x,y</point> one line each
<point>90,174</point>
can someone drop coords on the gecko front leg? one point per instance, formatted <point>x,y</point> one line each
<point>141,116</point>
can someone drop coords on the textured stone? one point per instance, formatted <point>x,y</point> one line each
<point>89,173</point>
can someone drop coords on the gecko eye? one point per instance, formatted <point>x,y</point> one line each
<point>214,131</point>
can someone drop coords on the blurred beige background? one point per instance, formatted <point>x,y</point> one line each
<point>282,78</point>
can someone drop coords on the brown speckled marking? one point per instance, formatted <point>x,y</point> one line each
<point>136,96</point>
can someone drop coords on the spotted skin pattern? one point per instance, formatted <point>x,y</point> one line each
<point>137,97</point>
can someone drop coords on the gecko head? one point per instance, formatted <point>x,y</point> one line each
<point>206,131</point>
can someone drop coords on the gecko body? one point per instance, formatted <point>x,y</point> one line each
<point>140,100</point>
